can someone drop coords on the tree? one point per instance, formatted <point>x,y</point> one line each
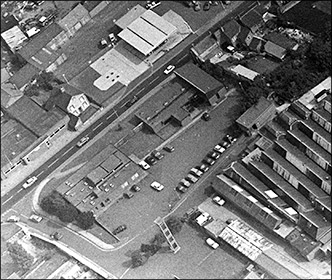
<point>138,259</point>
<point>20,256</point>
<point>159,239</point>
<point>85,220</point>
<point>174,224</point>
<point>68,216</point>
<point>151,249</point>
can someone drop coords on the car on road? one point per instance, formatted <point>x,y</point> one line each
<point>206,116</point>
<point>157,186</point>
<point>191,178</point>
<point>83,141</point>
<point>128,195</point>
<point>218,148</point>
<point>56,235</point>
<point>135,188</point>
<point>35,218</point>
<point>158,155</point>
<point>181,189</point>
<point>29,182</point>
<point>218,200</point>
<point>169,69</point>
<point>144,165</point>
<point>213,155</point>
<point>203,167</point>
<point>150,160</point>
<point>119,229</point>
<point>206,6</point>
<point>196,172</point>
<point>213,244</point>
<point>169,148</point>
<point>185,183</point>
<point>13,219</point>
<point>209,161</point>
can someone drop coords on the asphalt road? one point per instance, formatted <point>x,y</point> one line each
<point>180,56</point>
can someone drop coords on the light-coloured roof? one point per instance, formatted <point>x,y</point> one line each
<point>147,32</point>
<point>129,17</point>
<point>244,72</point>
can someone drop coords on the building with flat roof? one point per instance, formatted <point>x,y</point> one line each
<point>147,30</point>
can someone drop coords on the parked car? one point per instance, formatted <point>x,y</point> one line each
<point>157,155</point>
<point>203,218</point>
<point>218,200</point>
<point>196,172</point>
<point>206,116</point>
<point>209,161</point>
<point>150,160</point>
<point>181,189</point>
<point>169,69</point>
<point>83,141</point>
<point>226,2</point>
<point>206,6</point>
<point>128,195</point>
<point>35,218</point>
<point>119,229</point>
<point>185,183</point>
<point>191,178</point>
<point>218,148</point>
<point>56,235</point>
<point>135,188</point>
<point>214,3</point>
<point>152,4</point>
<point>29,182</point>
<point>213,155</point>
<point>169,148</point>
<point>157,186</point>
<point>197,6</point>
<point>13,219</point>
<point>144,165</point>
<point>213,244</point>
<point>225,144</point>
<point>204,167</point>
<point>230,139</point>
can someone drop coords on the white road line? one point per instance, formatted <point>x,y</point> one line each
<point>64,154</point>
<point>124,104</point>
<point>97,126</point>
<point>19,190</point>
<point>7,200</point>
<point>40,173</point>
<point>123,274</point>
<point>109,116</point>
<point>182,58</point>
<point>154,79</point>
<point>53,162</point>
<point>24,216</point>
<point>140,91</point>
<point>206,257</point>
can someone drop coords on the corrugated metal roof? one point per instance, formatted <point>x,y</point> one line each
<point>159,23</point>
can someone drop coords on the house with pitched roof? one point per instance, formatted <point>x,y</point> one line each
<point>274,50</point>
<point>230,30</point>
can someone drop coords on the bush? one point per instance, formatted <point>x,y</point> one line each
<point>174,224</point>
<point>20,256</point>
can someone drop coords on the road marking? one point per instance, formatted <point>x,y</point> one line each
<point>203,260</point>
<point>97,126</point>
<point>154,79</point>
<point>19,190</point>
<point>140,91</point>
<point>123,274</point>
<point>24,216</point>
<point>63,154</point>
<point>53,162</point>
<point>124,104</point>
<point>7,200</point>
<point>182,58</point>
<point>110,116</point>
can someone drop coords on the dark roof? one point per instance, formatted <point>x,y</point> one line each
<point>8,23</point>
<point>231,28</point>
<point>203,45</point>
<point>62,101</point>
<point>249,117</point>
<point>281,40</point>
<point>90,5</point>
<point>255,43</point>
<point>24,75</point>
<point>71,90</point>
<point>251,19</point>
<point>72,121</point>
<point>275,50</point>
<point>198,78</point>
<point>36,43</point>
<point>243,34</point>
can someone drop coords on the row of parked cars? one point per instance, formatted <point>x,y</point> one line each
<point>153,158</point>
<point>197,172</point>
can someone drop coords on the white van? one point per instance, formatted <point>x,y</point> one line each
<point>35,218</point>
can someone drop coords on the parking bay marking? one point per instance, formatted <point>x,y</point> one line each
<point>203,260</point>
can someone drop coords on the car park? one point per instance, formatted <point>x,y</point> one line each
<point>209,161</point>
<point>185,183</point>
<point>169,148</point>
<point>56,235</point>
<point>218,148</point>
<point>169,69</point>
<point>83,141</point>
<point>35,218</point>
<point>181,189</point>
<point>144,165</point>
<point>119,229</point>
<point>206,116</point>
<point>29,182</point>
<point>213,244</point>
<point>204,167</point>
<point>157,186</point>
<point>128,195</point>
<point>213,155</point>
<point>191,178</point>
<point>196,172</point>
<point>218,200</point>
<point>150,160</point>
<point>135,188</point>
<point>157,155</point>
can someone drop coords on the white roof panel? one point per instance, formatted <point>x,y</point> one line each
<point>136,41</point>
<point>159,23</point>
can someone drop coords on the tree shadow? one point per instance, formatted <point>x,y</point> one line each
<point>127,264</point>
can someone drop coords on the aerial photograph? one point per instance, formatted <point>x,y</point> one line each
<point>166,140</point>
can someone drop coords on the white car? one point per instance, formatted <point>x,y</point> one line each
<point>35,218</point>
<point>218,148</point>
<point>213,244</point>
<point>203,218</point>
<point>191,178</point>
<point>144,165</point>
<point>157,186</point>
<point>29,182</point>
<point>13,219</point>
<point>169,69</point>
<point>196,172</point>
<point>152,4</point>
<point>218,200</point>
<point>83,141</point>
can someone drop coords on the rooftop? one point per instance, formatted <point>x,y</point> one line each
<point>130,16</point>
<point>251,18</point>
<point>231,28</point>
<point>24,75</point>
<point>245,72</point>
<point>275,50</point>
<point>281,39</point>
